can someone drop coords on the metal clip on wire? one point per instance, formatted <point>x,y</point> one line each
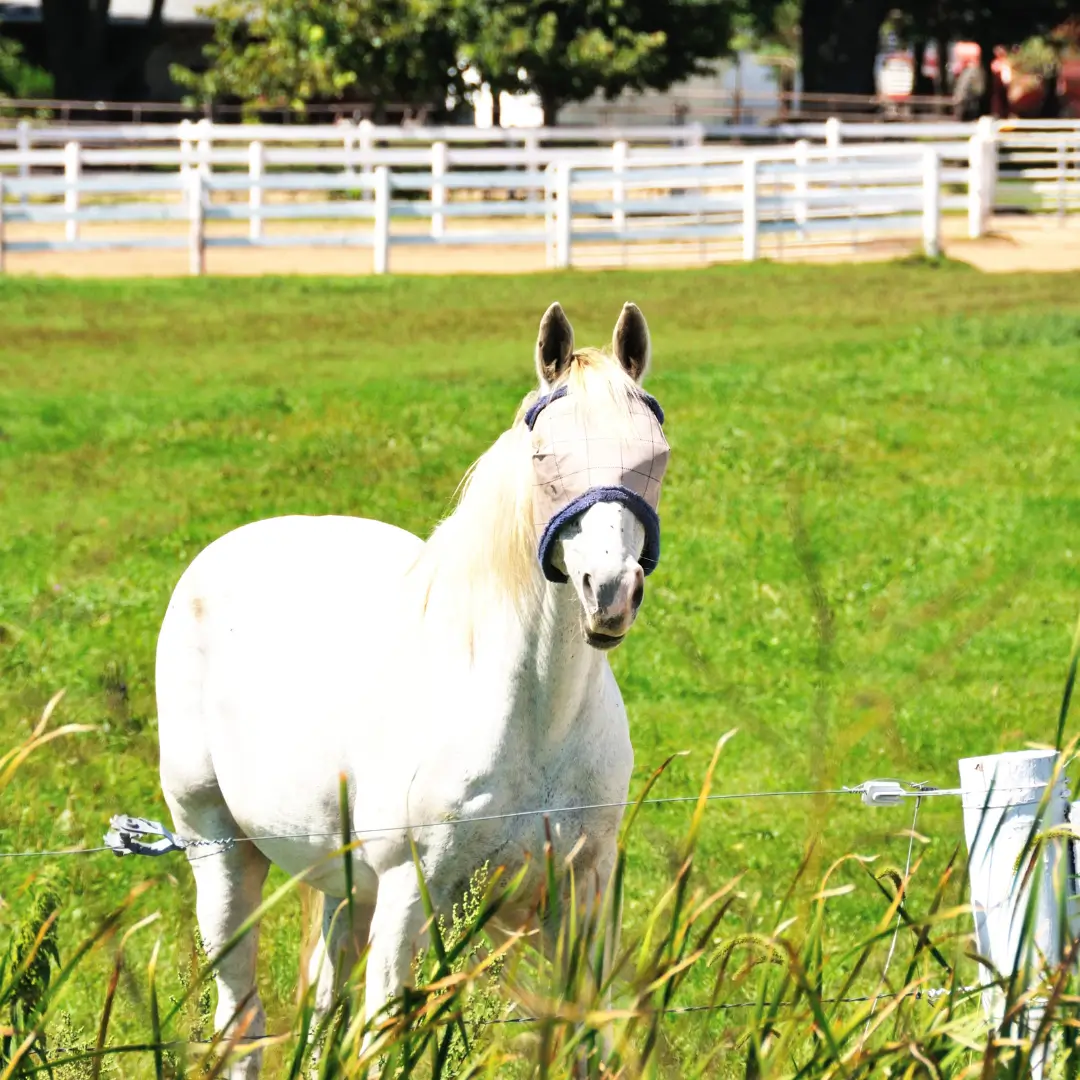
<point>124,837</point>
<point>881,792</point>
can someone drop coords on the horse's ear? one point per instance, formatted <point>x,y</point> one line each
<point>554,344</point>
<point>630,342</point>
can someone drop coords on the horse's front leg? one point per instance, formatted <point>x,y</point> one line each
<point>396,937</point>
<point>610,911</point>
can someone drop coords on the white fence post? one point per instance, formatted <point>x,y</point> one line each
<point>986,129</point>
<point>185,147</point>
<point>550,214</point>
<point>196,230</point>
<point>348,144</point>
<point>532,151</point>
<point>365,141</point>
<point>802,186</point>
<point>976,186</point>
<point>438,188</point>
<point>750,209</point>
<point>931,222</point>
<point>72,174</point>
<point>380,259</point>
<point>834,134</point>
<point>1001,795</point>
<point>256,169</point>
<point>1062,177</point>
<point>619,152</point>
<point>23,142</point>
<point>205,146</point>
<point>564,218</point>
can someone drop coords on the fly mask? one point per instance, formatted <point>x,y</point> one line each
<point>575,468</point>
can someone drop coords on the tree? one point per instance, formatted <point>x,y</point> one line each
<point>292,52</point>
<point>567,50</point>
<point>18,79</point>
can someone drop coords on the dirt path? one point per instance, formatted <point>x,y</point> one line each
<point>1014,244</point>
<point>1019,243</point>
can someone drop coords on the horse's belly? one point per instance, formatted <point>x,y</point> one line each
<point>297,624</point>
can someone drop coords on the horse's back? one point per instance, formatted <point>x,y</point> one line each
<point>258,659</point>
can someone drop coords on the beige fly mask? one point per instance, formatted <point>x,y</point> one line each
<point>575,468</point>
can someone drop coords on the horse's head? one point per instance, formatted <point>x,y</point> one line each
<point>599,455</point>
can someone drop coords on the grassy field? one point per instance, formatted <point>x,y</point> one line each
<point>870,534</point>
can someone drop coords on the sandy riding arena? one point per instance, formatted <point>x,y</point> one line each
<point>1012,244</point>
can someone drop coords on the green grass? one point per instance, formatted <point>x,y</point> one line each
<point>870,541</point>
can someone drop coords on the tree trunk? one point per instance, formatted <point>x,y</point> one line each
<point>76,36</point>
<point>922,84</point>
<point>549,105</point>
<point>986,45</point>
<point>149,38</point>
<point>496,107</point>
<point>840,44</point>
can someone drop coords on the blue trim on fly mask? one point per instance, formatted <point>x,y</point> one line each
<point>538,406</point>
<point>650,520</point>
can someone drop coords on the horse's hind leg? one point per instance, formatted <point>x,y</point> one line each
<point>336,954</point>
<point>229,887</point>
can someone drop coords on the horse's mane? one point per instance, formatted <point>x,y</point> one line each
<point>488,543</point>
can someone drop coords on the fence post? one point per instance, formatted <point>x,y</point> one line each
<point>549,214</point>
<point>532,151</point>
<point>23,142</point>
<point>3,238</point>
<point>695,135</point>
<point>986,129</point>
<point>802,186</point>
<point>564,218</point>
<point>1062,177</point>
<point>348,144</point>
<point>196,230</point>
<point>750,209</point>
<point>185,147</point>
<point>72,173</point>
<point>365,141</point>
<point>256,168</point>
<point>205,146</point>
<point>619,152</point>
<point>931,223</point>
<point>976,186</point>
<point>1001,795</point>
<point>833,135</point>
<point>381,234</point>
<point>438,188</point>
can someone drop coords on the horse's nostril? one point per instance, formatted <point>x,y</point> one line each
<point>639,595</point>
<point>588,593</point>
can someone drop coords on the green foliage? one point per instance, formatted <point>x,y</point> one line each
<point>18,78</point>
<point>286,53</point>
<point>26,970</point>
<point>1036,56</point>
<point>569,51</point>
<point>283,52</point>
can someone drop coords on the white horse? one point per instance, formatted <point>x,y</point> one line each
<point>457,678</point>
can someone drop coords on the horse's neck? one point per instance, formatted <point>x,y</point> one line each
<point>550,670</point>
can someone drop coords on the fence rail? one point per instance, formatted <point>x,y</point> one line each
<point>731,105</point>
<point>582,203</point>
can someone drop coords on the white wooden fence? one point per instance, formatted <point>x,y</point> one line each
<point>582,203</point>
